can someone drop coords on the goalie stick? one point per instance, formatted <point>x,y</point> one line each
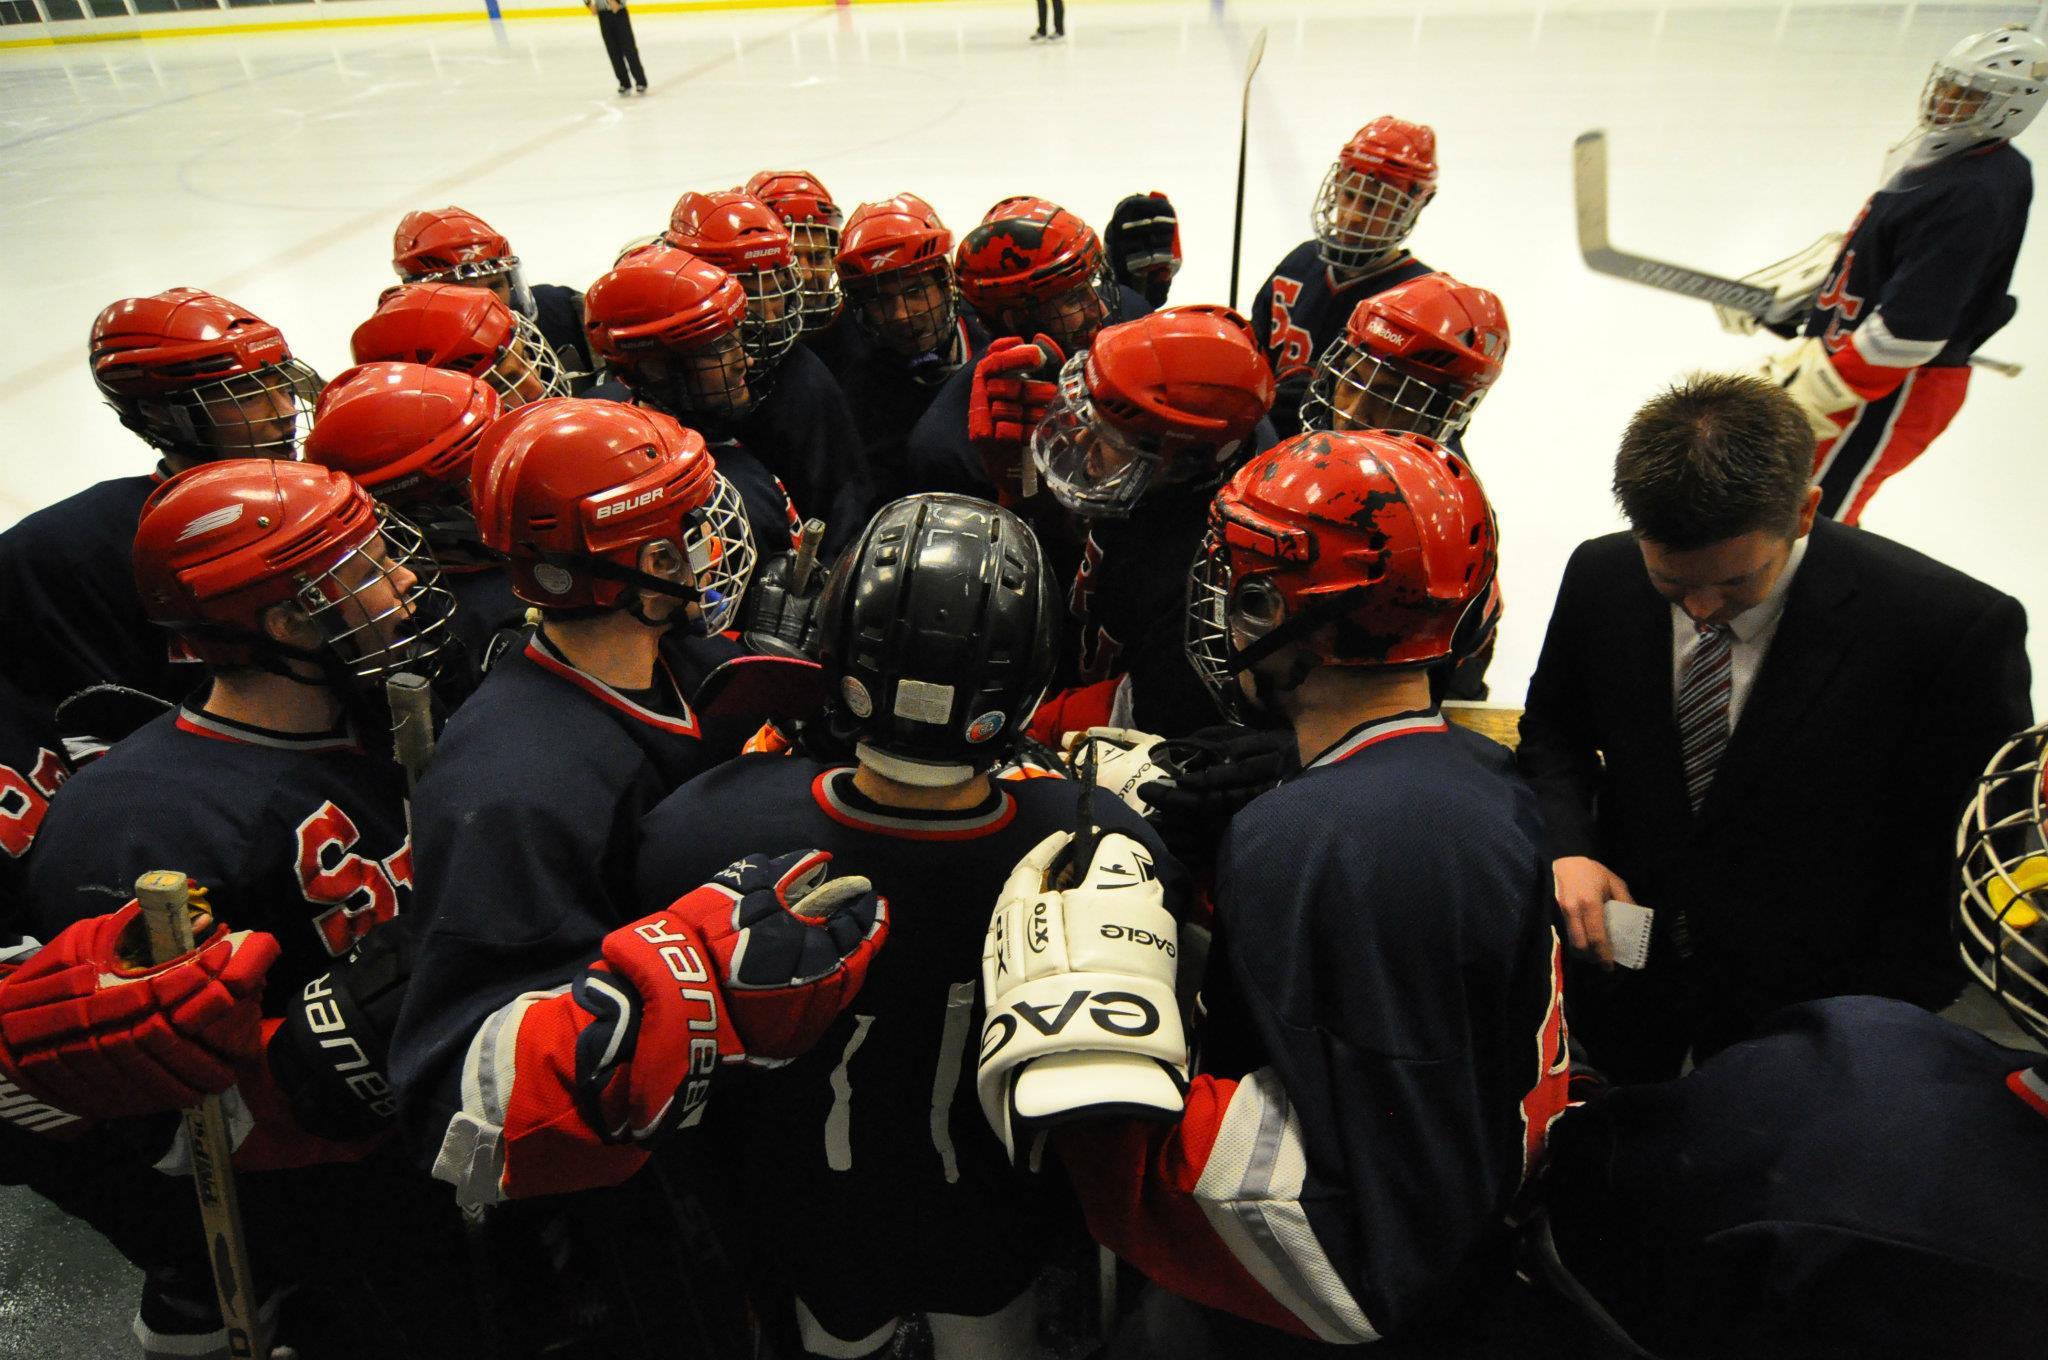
<point>1244,130</point>
<point>165,896</point>
<point>1589,186</point>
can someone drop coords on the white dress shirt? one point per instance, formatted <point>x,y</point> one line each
<point>1753,629</point>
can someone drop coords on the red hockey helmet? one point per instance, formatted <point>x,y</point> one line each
<point>669,324</point>
<point>1418,357</point>
<point>1032,267</point>
<point>1366,549</point>
<point>200,377</point>
<point>453,245</point>
<point>750,241</point>
<point>570,490</point>
<point>1166,400</point>
<point>464,329</point>
<point>1374,191</point>
<point>406,433</point>
<point>2003,907</point>
<point>896,265</point>
<point>221,544</point>
<point>814,221</point>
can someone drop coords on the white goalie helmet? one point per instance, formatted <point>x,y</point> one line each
<point>2003,908</point>
<point>1986,88</point>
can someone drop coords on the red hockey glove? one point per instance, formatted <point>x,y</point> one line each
<point>751,967</point>
<point>97,1034</point>
<point>1014,383</point>
<point>792,946</point>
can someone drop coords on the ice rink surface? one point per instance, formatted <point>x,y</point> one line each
<point>272,168</point>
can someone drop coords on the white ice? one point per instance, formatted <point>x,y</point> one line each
<point>272,168</point>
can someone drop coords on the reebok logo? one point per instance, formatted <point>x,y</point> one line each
<point>211,520</point>
<point>631,503</point>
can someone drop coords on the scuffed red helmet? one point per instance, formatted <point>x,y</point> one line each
<point>1166,400</point>
<point>1031,267</point>
<point>200,377</point>
<point>669,324</point>
<point>750,241</point>
<point>406,433</point>
<point>468,330</point>
<point>218,545</point>
<point>896,266</point>
<point>1375,189</point>
<point>570,490</point>
<point>1366,549</point>
<point>1417,357</point>
<point>814,221</point>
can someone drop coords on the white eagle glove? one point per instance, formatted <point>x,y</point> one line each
<point>1810,378</point>
<point>1082,1022</point>
<point>1795,280</point>
<point>1122,757</point>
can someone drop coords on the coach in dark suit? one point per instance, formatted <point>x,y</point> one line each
<point>1761,728</point>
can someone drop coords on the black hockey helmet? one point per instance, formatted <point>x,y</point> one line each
<point>936,635</point>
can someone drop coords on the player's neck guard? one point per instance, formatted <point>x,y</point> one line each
<point>918,773</point>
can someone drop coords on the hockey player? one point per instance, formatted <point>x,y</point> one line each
<point>806,207</point>
<point>1030,270</point>
<point>545,1044</point>
<point>407,434</point>
<point>799,423</point>
<point>1367,206</point>
<point>299,594</point>
<point>668,325</point>
<point>1920,281</point>
<point>1418,357</point>
<point>1149,419</point>
<point>199,378</point>
<point>1384,1047</point>
<point>450,245</point>
<point>895,264</point>
<point>936,636</point>
<point>464,329</point>
<point>1861,1177</point>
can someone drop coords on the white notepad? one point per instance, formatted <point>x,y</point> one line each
<point>1628,930</point>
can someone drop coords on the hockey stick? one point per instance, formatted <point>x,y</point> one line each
<point>1244,130</point>
<point>412,729</point>
<point>165,895</point>
<point>1589,187</point>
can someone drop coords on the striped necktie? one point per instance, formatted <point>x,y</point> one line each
<point>1703,707</point>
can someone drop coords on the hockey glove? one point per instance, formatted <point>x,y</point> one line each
<point>778,614</point>
<point>1014,384</point>
<point>89,1028</point>
<point>1079,986</point>
<point>330,1053</point>
<point>1793,280</point>
<point>1121,758</point>
<point>1831,389</point>
<point>1210,775</point>
<point>1143,245</point>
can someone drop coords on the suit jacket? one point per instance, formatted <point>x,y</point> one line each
<point>1820,861</point>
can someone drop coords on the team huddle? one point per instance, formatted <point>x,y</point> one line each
<point>940,766</point>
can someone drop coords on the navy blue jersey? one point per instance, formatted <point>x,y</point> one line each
<point>70,615</point>
<point>889,396</point>
<point>937,456</point>
<point>1302,307</point>
<point>874,1141</point>
<point>528,824</point>
<point>838,344</point>
<point>558,314</point>
<point>1928,260</point>
<point>1388,997</point>
<point>32,767</point>
<point>484,607</point>
<point>804,433</point>
<point>1860,1179</point>
<point>300,835</point>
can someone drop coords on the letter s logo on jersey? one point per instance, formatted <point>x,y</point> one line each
<point>365,892</point>
<point>1292,348</point>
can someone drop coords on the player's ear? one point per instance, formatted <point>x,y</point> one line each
<point>1807,508</point>
<point>289,625</point>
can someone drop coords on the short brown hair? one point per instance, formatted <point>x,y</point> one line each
<point>1713,457</point>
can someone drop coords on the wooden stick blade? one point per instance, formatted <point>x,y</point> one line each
<point>1251,65</point>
